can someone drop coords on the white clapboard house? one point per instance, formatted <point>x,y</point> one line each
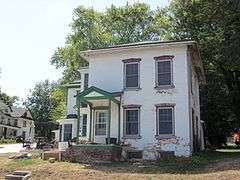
<point>144,95</point>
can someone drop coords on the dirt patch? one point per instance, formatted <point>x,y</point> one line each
<point>205,166</point>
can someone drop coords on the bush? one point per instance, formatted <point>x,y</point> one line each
<point>7,141</point>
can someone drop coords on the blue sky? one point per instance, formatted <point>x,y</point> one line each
<point>30,31</point>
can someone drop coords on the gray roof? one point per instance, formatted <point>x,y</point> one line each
<point>145,43</point>
<point>20,112</point>
<point>14,111</point>
<point>140,44</point>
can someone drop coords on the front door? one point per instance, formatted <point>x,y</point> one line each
<point>101,119</point>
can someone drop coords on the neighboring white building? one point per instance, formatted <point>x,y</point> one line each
<point>16,121</point>
<point>146,95</point>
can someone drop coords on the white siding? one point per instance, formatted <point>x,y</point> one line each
<point>106,72</point>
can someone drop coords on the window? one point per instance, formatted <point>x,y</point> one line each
<point>84,125</point>
<point>131,121</point>
<point>164,71</point>
<point>15,122</point>
<point>9,122</point>
<point>67,135</point>
<point>101,123</point>
<point>24,123</point>
<point>165,121</point>
<point>60,133</point>
<point>86,77</point>
<point>131,73</point>
<point>24,135</point>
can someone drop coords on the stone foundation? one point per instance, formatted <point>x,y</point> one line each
<point>92,153</point>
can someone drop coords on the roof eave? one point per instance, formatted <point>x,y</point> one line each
<point>87,53</point>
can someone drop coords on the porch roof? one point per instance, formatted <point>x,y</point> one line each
<point>94,93</point>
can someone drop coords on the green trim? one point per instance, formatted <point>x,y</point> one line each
<point>93,98</point>
<point>78,117</point>
<point>106,95</point>
<point>109,122</point>
<point>100,108</point>
<point>90,124</point>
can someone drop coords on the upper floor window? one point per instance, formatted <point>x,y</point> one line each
<point>15,122</point>
<point>131,73</point>
<point>164,71</point>
<point>86,77</point>
<point>165,121</point>
<point>24,123</point>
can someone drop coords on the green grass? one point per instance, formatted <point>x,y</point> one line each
<point>7,141</point>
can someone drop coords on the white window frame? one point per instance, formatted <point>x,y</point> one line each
<point>125,123</point>
<point>125,75</point>
<point>173,122</point>
<point>156,72</point>
<point>96,122</point>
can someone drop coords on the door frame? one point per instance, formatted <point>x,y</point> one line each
<point>95,120</point>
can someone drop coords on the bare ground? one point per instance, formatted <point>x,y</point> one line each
<point>214,165</point>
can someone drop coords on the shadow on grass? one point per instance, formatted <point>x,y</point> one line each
<point>203,162</point>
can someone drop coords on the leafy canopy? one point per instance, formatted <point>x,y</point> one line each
<point>117,25</point>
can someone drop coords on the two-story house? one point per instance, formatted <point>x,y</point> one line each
<point>16,121</point>
<point>144,95</point>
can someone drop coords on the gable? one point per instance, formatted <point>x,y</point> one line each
<point>94,94</point>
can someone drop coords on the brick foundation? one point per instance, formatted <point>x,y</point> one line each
<point>92,153</point>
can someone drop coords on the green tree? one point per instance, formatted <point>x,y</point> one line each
<point>117,25</point>
<point>8,100</point>
<point>215,26</point>
<point>46,103</point>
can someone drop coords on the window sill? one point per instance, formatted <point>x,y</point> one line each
<point>166,136</point>
<point>164,87</point>
<point>132,137</point>
<point>132,89</point>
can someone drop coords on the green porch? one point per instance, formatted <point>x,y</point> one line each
<point>104,106</point>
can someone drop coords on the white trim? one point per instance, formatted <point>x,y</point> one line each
<point>86,53</point>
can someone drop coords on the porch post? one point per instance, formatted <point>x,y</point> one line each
<point>109,121</point>
<point>119,124</point>
<point>90,125</point>
<point>78,119</point>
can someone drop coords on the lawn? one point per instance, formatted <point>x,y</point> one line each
<point>221,164</point>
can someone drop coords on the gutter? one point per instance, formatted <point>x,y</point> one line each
<point>87,53</point>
